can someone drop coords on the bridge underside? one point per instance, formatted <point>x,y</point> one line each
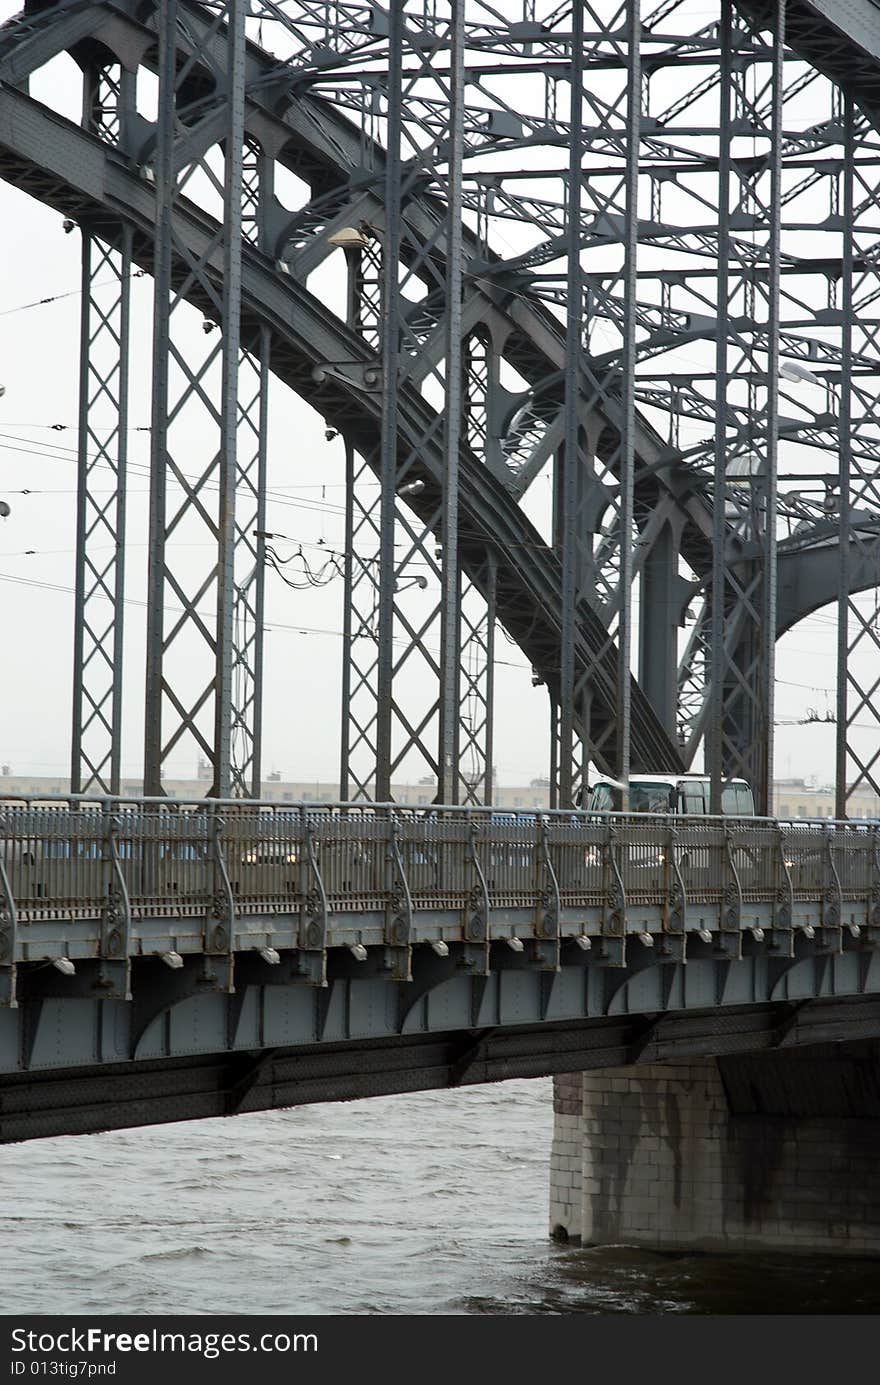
<point>75,1100</point>
<point>77,1065</point>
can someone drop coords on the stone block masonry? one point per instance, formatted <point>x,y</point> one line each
<point>778,1151</point>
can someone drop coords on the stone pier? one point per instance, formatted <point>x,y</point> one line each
<point>775,1151</point>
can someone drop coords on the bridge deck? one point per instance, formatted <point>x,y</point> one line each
<point>87,879</point>
<point>296,953</point>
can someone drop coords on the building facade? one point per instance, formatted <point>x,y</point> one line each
<point>792,798</point>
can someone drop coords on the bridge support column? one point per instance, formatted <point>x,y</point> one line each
<point>774,1152</point>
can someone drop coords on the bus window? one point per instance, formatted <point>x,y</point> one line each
<point>737,801</point>
<point>650,798</point>
<point>693,799</point>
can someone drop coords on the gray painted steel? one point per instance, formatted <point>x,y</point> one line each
<point>663,216</point>
<point>315,134</point>
<point>212,928</point>
<point>67,1100</point>
<point>180,874</point>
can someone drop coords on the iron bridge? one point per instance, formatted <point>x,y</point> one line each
<point>627,246</point>
<point>361,948</point>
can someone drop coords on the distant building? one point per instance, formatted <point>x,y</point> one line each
<point>795,798</point>
<point>792,798</point>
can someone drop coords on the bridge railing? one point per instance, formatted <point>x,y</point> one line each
<point>61,859</point>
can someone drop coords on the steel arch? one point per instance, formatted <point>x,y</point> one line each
<point>95,180</point>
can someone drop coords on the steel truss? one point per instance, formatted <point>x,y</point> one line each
<point>632,245</point>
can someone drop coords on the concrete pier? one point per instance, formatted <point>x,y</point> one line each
<point>778,1152</point>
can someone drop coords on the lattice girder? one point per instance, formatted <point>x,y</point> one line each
<point>640,416</point>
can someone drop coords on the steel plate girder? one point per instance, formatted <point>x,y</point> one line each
<point>705,999</point>
<point>809,579</point>
<point>70,1100</point>
<point>35,39</point>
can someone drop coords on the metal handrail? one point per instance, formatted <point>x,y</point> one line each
<point>54,852</point>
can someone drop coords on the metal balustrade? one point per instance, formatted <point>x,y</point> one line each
<point>225,876</point>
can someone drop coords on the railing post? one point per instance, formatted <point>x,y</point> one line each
<point>220,923</point>
<point>730,913</point>
<point>8,931</point>
<point>614,913</point>
<point>114,977</point>
<point>549,911</point>
<point>314,910</point>
<point>874,895</point>
<point>783,901</point>
<point>475,926</point>
<point>832,895</point>
<point>675,912</point>
<point>399,909</point>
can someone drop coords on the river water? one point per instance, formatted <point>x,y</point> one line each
<point>427,1203</point>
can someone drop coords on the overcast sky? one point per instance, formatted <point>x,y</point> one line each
<point>39,355</point>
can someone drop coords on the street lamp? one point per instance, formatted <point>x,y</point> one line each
<point>349,238</point>
<point>793,370</point>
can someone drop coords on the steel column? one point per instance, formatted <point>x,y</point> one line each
<point>100,562</point>
<point>105,314</point>
<point>844,413</point>
<point>567,529</point>
<point>391,245</point>
<point>189,649</point>
<point>448,773</point>
<point>627,388</point>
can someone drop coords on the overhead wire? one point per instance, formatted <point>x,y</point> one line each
<point>147,428</point>
<point>268,625</point>
<point>70,293</point>
<point>140,469</point>
<point>330,568</point>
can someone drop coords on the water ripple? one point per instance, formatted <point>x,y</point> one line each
<point>433,1202</point>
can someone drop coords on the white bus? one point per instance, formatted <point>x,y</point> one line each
<point>670,793</point>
